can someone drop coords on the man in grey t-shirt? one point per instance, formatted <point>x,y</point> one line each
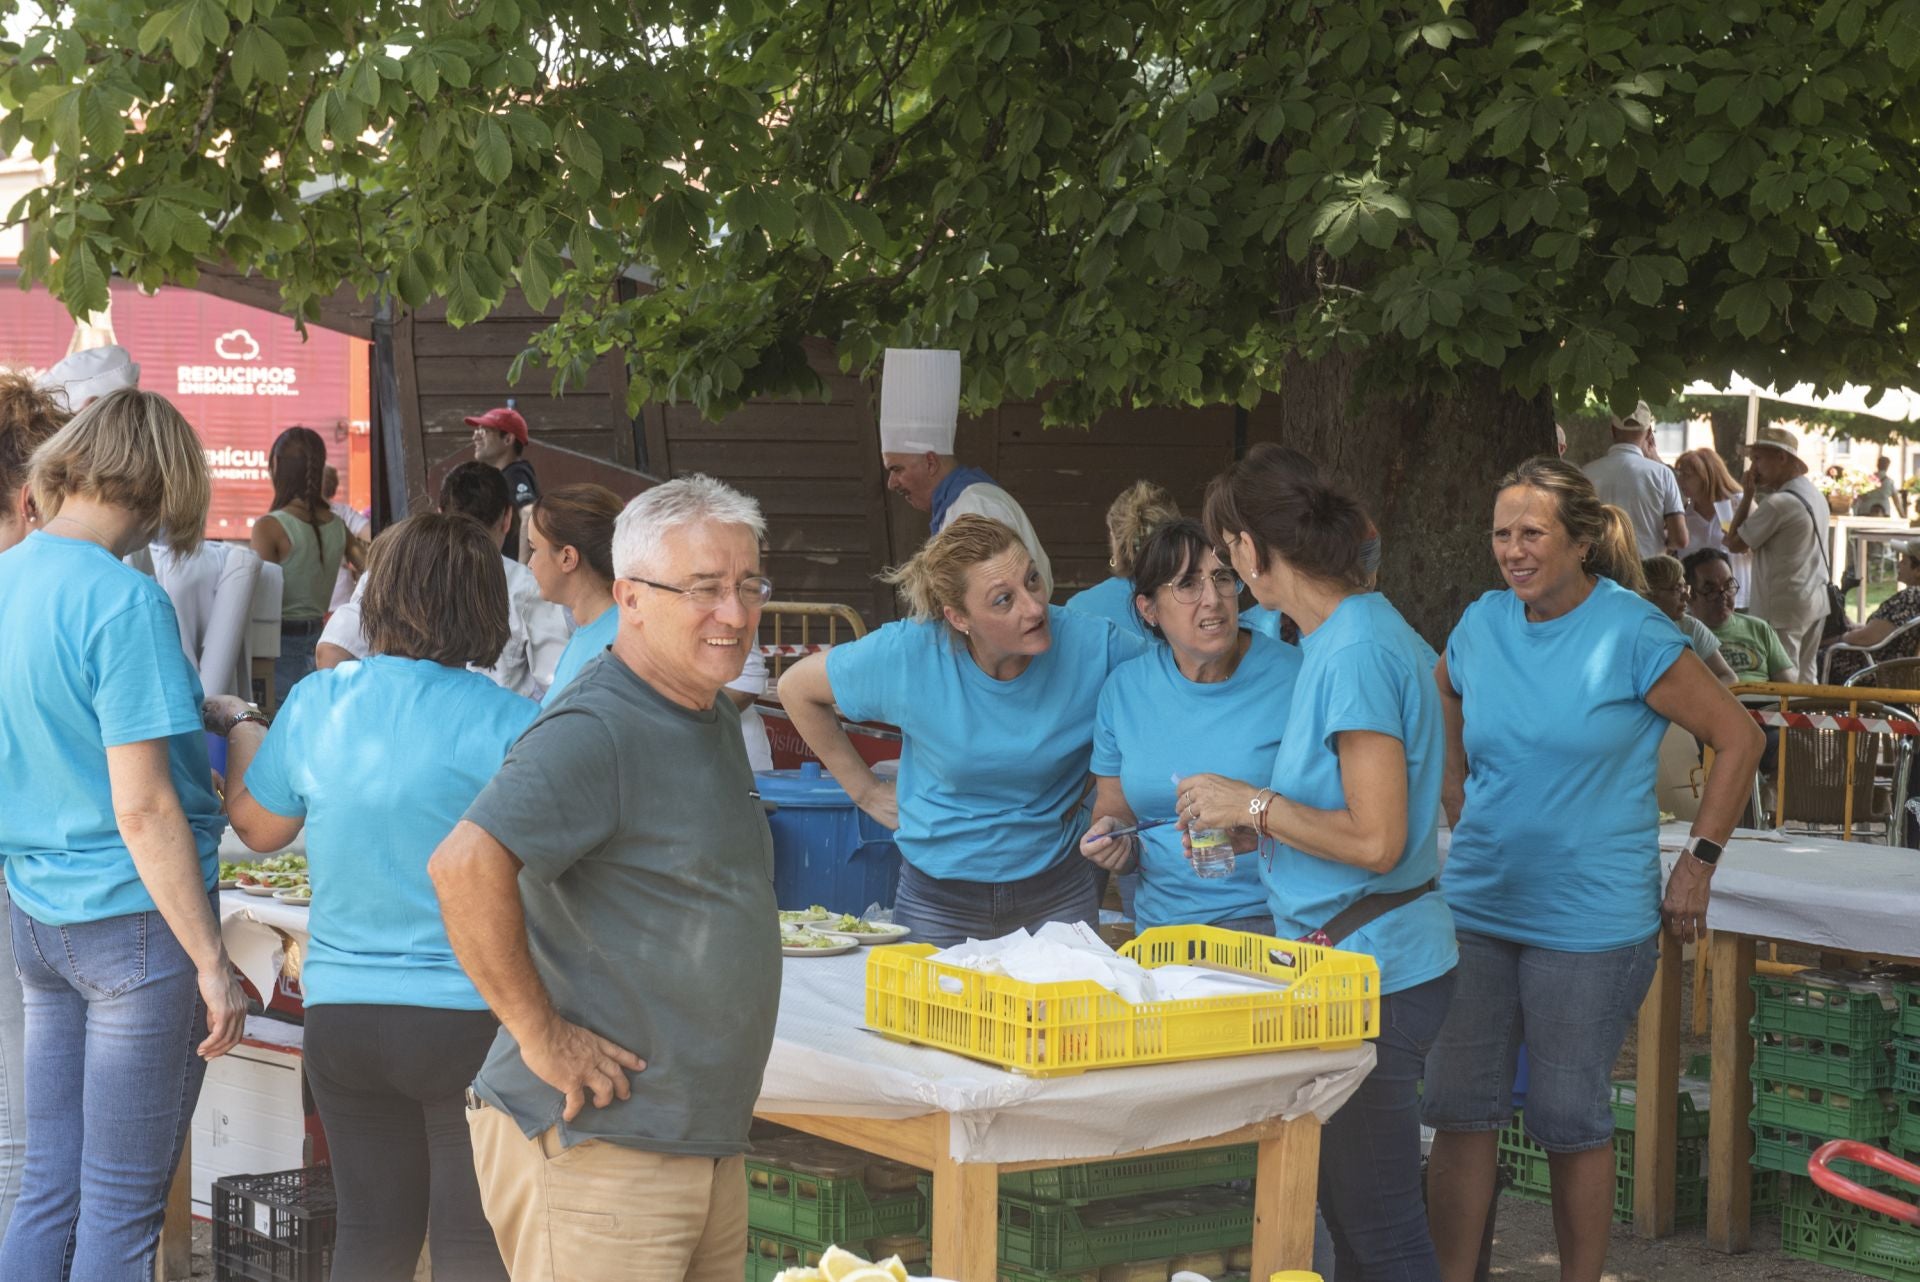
<point>610,893</point>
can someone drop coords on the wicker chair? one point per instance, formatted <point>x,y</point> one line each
<point>1893,639</point>
<point>1815,768</point>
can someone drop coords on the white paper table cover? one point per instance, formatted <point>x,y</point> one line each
<point>251,926</point>
<point>1813,890</point>
<point>825,1061</point>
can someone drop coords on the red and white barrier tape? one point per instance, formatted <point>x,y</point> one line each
<point>788,651</point>
<point>1834,721</point>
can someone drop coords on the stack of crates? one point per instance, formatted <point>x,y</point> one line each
<point>806,1194</point>
<point>1823,1069</point>
<point>1130,1220</point>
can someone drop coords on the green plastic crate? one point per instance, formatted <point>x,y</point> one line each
<point>1787,1152</point>
<point>1906,1131</point>
<point>1809,1060</point>
<point>1906,1065</point>
<point>1825,1110</point>
<point>1094,1181</point>
<point>1828,1230</point>
<point>1527,1163</point>
<point>1786,1004</point>
<point>1054,1237</point>
<point>769,1253</point>
<point>1908,1021</point>
<point>825,1209</point>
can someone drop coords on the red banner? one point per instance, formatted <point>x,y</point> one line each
<point>240,375</point>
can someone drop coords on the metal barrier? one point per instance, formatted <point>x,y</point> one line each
<point>804,616</point>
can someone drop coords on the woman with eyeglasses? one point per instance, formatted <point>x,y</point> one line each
<point>1213,699</point>
<point>1350,804</point>
<point>1667,588</point>
<point>570,551</point>
<point>995,692</point>
<point>1898,610</point>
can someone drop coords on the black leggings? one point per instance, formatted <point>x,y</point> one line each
<point>390,1082</point>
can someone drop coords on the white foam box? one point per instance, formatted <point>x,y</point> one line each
<point>250,1119</point>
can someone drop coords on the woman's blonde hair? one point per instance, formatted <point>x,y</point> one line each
<point>1663,573</point>
<point>134,450</point>
<point>935,578</point>
<point>1707,467</point>
<point>29,415</point>
<point>1613,553</point>
<point>1142,508</point>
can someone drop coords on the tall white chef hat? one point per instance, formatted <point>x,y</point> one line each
<point>88,375</point>
<point>919,400</point>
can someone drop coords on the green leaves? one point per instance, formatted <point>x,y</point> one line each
<point>492,153</point>
<point>190,28</point>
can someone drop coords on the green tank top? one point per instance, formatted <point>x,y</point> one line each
<point>311,566</point>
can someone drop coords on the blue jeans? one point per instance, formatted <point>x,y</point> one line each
<point>298,639</point>
<point>947,912</point>
<point>13,1068</point>
<point>1370,1150</point>
<point>113,1017</point>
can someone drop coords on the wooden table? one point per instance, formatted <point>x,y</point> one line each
<point>966,1195</point>
<point>1840,897</point>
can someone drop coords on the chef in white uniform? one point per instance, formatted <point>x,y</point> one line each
<point>919,411</point>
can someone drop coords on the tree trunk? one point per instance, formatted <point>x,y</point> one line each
<point>1425,469</point>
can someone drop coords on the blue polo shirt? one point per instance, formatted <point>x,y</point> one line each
<point>1112,599</point>
<point>991,772</point>
<point>1558,843</point>
<point>585,644</point>
<point>382,757</point>
<point>90,659</point>
<point>1366,669</point>
<point>1155,723</point>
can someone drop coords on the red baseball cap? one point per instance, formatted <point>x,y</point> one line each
<point>501,420</point>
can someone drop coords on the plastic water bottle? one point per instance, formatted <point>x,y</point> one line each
<point>1212,849</point>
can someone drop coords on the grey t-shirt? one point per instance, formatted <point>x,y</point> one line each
<point>648,891</point>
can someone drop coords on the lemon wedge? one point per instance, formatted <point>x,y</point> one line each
<point>838,1264</point>
<point>868,1273</point>
<point>800,1275</point>
<point>894,1268</point>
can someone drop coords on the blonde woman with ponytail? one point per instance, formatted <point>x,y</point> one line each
<point>995,693</point>
<point>1557,691</point>
<point>1142,508</point>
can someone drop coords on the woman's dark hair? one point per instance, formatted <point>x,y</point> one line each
<point>581,517</point>
<point>477,490</point>
<point>1613,552</point>
<point>1166,555</point>
<point>297,465</point>
<point>1279,498</point>
<point>436,589</point>
<point>28,416</point>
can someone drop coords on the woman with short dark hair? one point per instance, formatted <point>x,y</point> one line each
<point>378,760</point>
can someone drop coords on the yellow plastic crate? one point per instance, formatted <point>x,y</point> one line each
<point>1331,999</point>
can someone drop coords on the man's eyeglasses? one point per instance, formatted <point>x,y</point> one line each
<point>1729,588</point>
<point>753,592</point>
<point>1187,590</point>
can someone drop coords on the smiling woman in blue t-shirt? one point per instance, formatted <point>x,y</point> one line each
<point>109,831</point>
<point>378,760</point>
<point>1213,698</point>
<point>1352,800</point>
<point>994,691</point>
<point>1558,690</point>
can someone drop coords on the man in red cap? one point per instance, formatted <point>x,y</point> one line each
<point>499,439</point>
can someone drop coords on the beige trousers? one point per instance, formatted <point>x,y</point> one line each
<point>601,1212</point>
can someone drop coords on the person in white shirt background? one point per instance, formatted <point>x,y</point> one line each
<point>1782,520</point>
<point>1710,493</point>
<point>357,525</point>
<point>1641,487</point>
<point>538,630</point>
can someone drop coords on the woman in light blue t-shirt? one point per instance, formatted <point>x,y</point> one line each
<point>570,551</point>
<point>995,692</point>
<point>1350,803</point>
<point>1558,690</point>
<point>1141,509</point>
<point>1213,698</point>
<point>109,832</point>
<point>377,760</point>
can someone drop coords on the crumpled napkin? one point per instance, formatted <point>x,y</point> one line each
<point>1065,951</point>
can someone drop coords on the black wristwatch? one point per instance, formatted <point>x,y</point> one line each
<point>1706,851</point>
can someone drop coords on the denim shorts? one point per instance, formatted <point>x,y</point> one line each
<point>1572,1011</point>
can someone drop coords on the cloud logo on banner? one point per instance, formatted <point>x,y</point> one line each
<point>236,345</point>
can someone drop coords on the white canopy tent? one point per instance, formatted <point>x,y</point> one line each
<point>1900,405</point>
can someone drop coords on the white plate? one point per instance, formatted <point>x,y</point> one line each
<point>262,891</point>
<point>229,884</point>
<point>288,897</point>
<point>847,944</point>
<point>888,935</point>
<point>801,916</point>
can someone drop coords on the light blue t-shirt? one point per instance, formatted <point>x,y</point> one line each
<point>1365,669</point>
<point>1154,723</point>
<point>382,757</point>
<point>1112,599</point>
<point>1558,843</point>
<point>1257,618</point>
<point>90,659</point>
<point>585,644</point>
<point>991,772</point>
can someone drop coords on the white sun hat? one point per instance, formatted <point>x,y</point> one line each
<point>919,400</point>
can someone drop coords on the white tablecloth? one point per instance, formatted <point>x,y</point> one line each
<point>1813,890</point>
<point>256,929</point>
<point>824,1061</point>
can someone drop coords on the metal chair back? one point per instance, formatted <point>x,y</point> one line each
<point>802,627</point>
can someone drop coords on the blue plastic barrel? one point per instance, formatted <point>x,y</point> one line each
<point>826,850</point>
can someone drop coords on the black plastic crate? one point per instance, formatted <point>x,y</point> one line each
<point>274,1228</point>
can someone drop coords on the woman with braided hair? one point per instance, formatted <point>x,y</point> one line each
<point>303,537</point>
